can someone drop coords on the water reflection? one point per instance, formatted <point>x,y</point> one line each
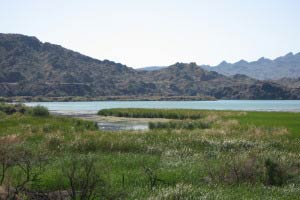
<point>117,126</point>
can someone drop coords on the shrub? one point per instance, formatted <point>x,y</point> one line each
<point>18,161</point>
<point>40,111</point>
<point>275,175</point>
<point>253,170</point>
<point>84,181</point>
<point>8,109</point>
<point>85,125</point>
<point>238,170</point>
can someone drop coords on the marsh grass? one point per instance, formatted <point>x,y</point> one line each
<point>152,113</point>
<point>240,155</point>
<point>190,125</point>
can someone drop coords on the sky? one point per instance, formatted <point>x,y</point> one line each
<point>142,33</point>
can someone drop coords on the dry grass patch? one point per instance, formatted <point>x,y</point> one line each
<point>10,139</point>
<point>261,131</point>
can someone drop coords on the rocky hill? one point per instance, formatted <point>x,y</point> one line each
<point>190,79</point>
<point>29,67</point>
<point>287,66</point>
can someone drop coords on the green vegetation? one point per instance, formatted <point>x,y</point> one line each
<point>186,124</point>
<point>239,155</point>
<point>152,113</point>
<point>272,119</point>
<point>39,111</point>
<point>12,108</point>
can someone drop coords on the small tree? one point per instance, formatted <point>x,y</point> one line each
<point>6,160</point>
<point>30,167</point>
<point>27,167</point>
<point>84,182</point>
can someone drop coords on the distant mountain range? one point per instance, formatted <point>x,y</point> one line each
<point>29,67</point>
<point>287,66</point>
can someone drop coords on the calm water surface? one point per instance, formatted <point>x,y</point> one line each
<point>118,126</point>
<point>247,105</point>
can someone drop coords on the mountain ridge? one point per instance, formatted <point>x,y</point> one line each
<point>287,66</point>
<point>29,67</point>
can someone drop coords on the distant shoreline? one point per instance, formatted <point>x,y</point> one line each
<point>28,99</point>
<point>105,98</point>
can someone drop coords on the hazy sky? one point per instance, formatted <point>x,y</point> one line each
<point>160,32</point>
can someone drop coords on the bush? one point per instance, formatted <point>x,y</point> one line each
<point>10,109</point>
<point>83,179</point>
<point>21,164</point>
<point>253,170</point>
<point>238,170</point>
<point>275,174</point>
<point>40,111</point>
<point>85,125</point>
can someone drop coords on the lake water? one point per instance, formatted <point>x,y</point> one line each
<point>246,105</point>
<point>118,126</point>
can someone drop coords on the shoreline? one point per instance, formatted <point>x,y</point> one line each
<point>22,99</point>
<point>111,123</point>
<point>98,118</point>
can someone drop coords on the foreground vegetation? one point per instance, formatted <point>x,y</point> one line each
<point>239,155</point>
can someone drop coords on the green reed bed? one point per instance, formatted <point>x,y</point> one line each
<point>187,124</point>
<point>152,113</point>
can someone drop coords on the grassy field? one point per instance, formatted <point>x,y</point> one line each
<point>238,155</point>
